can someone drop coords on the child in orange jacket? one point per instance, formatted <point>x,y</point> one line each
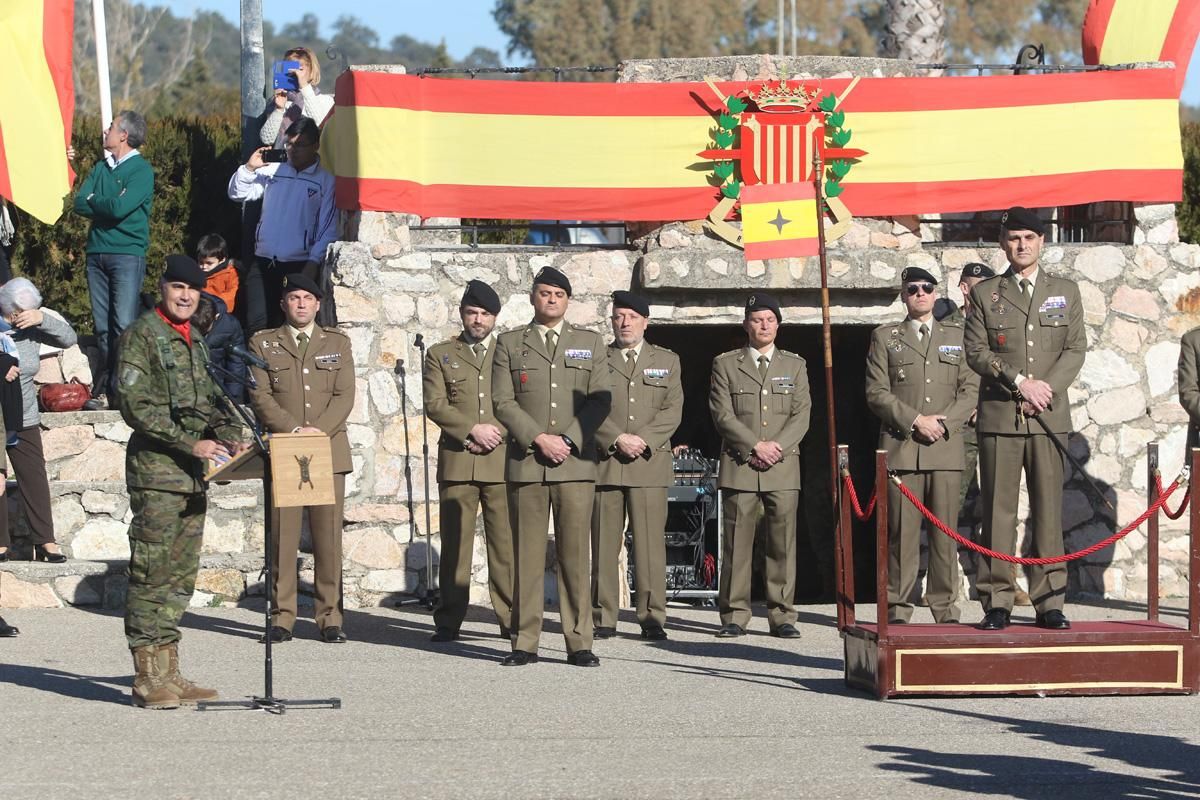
<point>213,257</point>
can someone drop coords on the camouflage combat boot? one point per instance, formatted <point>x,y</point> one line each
<point>168,665</point>
<point>149,688</point>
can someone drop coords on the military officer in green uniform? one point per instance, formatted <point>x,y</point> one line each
<point>760,405</point>
<point>550,380</point>
<point>1189,385</point>
<point>307,387</point>
<point>920,387</point>
<point>634,448</point>
<point>470,472</point>
<point>1025,338</point>
<point>180,424</point>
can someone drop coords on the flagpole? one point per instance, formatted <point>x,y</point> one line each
<point>826,327</point>
<point>106,113</point>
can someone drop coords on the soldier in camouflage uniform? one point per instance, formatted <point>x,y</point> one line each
<point>179,424</point>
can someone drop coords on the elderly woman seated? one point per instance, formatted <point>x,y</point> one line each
<point>31,327</point>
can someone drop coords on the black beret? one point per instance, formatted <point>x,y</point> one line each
<point>763,302</point>
<point>634,302</point>
<point>1019,218</point>
<point>977,270</point>
<point>184,269</point>
<point>552,277</point>
<point>911,274</point>
<point>298,281</point>
<point>480,295</point>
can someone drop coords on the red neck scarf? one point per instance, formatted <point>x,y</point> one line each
<point>184,328</point>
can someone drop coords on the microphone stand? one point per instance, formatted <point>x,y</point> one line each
<point>429,597</point>
<point>267,701</point>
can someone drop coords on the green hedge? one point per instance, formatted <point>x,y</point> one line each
<point>192,157</point>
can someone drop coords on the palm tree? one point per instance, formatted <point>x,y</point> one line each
<point>915,30</point>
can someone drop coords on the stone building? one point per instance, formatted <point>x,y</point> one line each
<point>394,280</point>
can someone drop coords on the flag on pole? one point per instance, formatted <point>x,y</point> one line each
<point>37,102</point>
<point>1126,31</point>
<point>779,220</point>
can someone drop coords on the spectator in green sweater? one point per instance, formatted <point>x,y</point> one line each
<point>116,196</point>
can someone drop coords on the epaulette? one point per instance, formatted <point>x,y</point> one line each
<point>334,329</point>
<point>728,354</point>
<point>951,322</point>
<point>787,353</point>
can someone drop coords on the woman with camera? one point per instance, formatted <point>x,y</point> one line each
<point>304,100</point>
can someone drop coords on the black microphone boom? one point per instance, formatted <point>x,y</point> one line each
<point>248,357</point>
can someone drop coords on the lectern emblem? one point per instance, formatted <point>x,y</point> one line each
<point>305,477</point>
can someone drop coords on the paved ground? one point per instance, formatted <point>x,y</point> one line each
<point>693,717</point>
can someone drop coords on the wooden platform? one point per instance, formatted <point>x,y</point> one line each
<point>1125,657</point>
<point>1136,656</point>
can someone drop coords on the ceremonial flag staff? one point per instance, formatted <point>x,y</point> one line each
<point>826,328</point>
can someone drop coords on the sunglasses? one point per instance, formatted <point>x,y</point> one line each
<point>923,288</point>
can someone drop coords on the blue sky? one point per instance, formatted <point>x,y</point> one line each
<point>464,24</point>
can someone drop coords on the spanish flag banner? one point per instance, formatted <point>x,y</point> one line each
<point>529,150</point>
<point>37,102</point>
<point>1127,31</point>
<point>779,220</point>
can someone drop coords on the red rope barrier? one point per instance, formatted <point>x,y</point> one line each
<point>854,505</point>
<point>1087,551</point>
<point>1167,509</point>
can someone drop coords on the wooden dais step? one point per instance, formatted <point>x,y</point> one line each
<point>1102,657</point>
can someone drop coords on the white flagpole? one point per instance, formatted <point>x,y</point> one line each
<point>106,113</point>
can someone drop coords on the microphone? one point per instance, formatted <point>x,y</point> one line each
<point>399,366</point>
<point>418,341</point>
<point>248,357</point>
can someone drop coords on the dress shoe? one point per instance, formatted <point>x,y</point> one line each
<point>786,631</point>
<point>332,634</point>
<point>583,658</point>
<point>731,631</point>
<point>7,630</point>
<point>97,403</point>
<point>519,658</point>
<point>1054,620</point>
<point>604,633</point>
<point>654,633</point>
<point>444,635</point>
<point>995,620</point>
<point>40,553</point>
<point>505,633</point>
<point>4,556</point>
<point>277,634</point>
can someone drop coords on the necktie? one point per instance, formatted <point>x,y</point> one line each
<point>630,358</point>
<point>1026,287</point>
<point>302,343</point>
<point>763,363</point>
<point>922,332</point>
<point>551,341</point>
<point>479,350</point>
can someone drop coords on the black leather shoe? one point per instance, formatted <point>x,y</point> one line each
<point>731,631</point>
<point>505,633</point>
<point>277,634</point>
<point>7,630</point>
<point>786,631</point>
<point>332,634</point>
<point>995,620</point>
<point>1054,620</point>
<point>604,633</point>
<point>583,658</point>
<point>4,556</point>
<point>40,553</point>
<point>444,635</point>
<point>654,633</point>
<point>519,658</point>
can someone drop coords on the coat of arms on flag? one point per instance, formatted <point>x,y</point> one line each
<point>766,155</point>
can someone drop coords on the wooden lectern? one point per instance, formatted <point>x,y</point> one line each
<point>301,469</point>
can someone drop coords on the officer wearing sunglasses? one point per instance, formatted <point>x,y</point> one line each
<point>920,387</point>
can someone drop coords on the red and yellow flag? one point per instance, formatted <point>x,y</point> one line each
<point>1127,31</point>
<point>37,102</point>
<point>779,220</point>
<point>532,150</point>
